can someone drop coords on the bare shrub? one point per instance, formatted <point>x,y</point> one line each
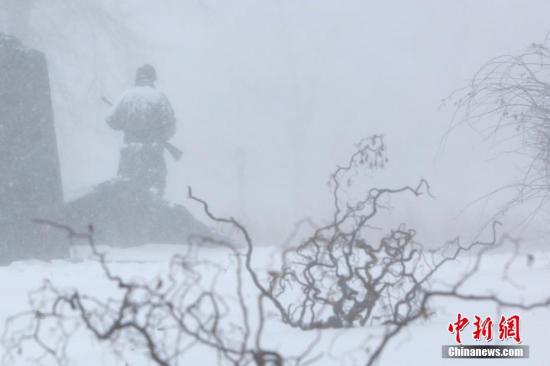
<point>348,273</point>
<point>508,100</point>
<point>198,304</point>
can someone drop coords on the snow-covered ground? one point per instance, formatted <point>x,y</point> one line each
<point>420,344</point>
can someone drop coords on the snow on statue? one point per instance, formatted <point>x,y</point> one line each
<point>147,119</point>
<point>130,209</point>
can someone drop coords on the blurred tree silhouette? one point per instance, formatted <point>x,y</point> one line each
<point>508,100</point>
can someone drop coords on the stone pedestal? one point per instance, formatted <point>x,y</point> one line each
<point>124,214</point>
<point>30,184</point>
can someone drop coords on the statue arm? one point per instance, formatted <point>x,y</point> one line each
<point>117,116</point>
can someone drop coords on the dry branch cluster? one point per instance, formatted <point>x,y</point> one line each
<point>509,97</point>
<point>344,274</point>
<point>347,273</point>
<point>198,304</point>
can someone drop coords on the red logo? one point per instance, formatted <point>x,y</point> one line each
<point>484,329</point>
<point>458,326</point>
<point>508,328</point>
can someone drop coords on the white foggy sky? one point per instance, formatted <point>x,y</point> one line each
<point>293,84</point>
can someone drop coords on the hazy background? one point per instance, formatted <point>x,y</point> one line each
<point>270,95</point>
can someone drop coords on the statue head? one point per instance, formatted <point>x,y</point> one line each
<point>146,75</point>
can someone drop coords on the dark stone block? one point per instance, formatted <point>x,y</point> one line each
<point>124,214</point>
<point>21,238</point>
<point>30,179</point>
<point>29,163</point>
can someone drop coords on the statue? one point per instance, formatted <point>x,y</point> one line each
<point>147,120</point>
<point>124,211</point>
<point>129,209</point>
